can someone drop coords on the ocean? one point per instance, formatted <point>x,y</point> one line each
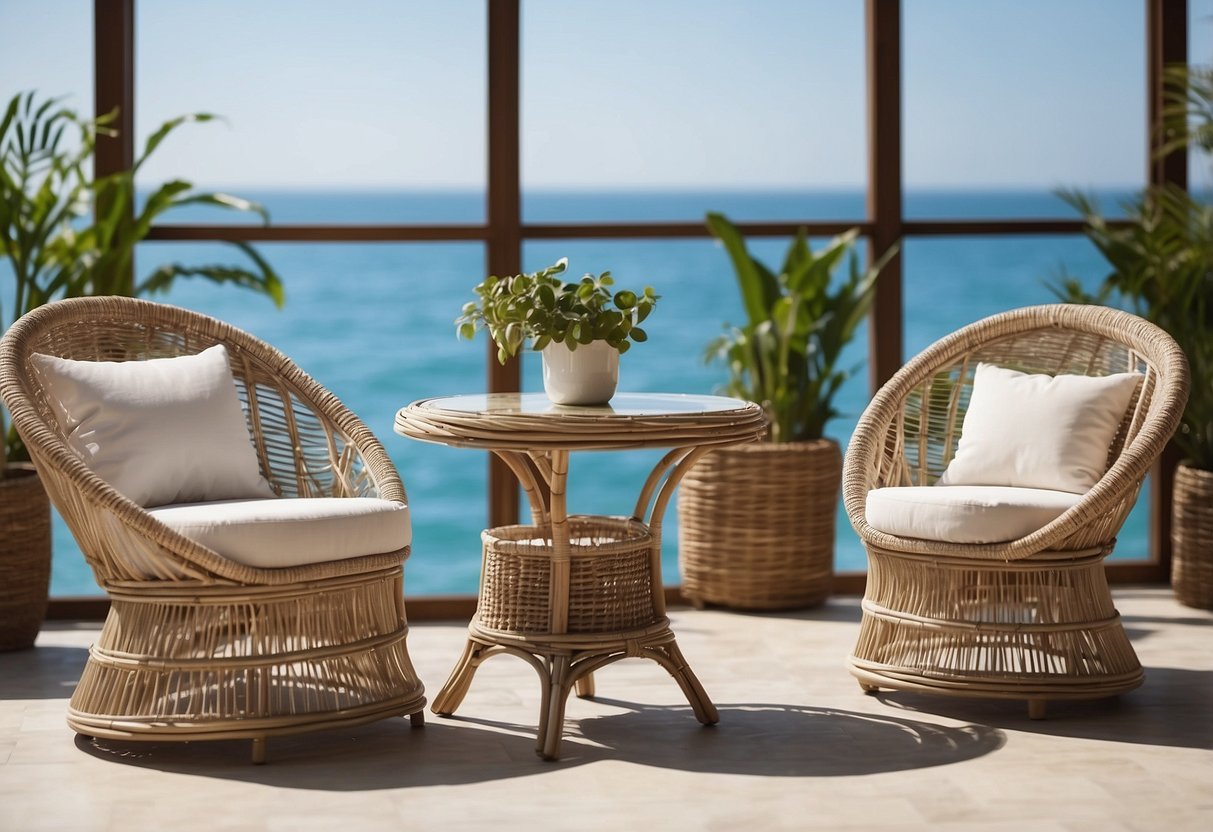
<point>373,323</point>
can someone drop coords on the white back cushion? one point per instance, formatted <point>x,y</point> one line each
<point>167,430</point>
<point>1039,431</point>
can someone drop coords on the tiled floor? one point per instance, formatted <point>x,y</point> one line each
<point>798,747</point>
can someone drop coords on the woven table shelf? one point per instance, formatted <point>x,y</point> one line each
<point>610,577</point>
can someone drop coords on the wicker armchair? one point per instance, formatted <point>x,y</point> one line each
<point>1029,618</point>
<point>198,646</point>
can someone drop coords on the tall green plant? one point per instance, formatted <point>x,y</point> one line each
<point>1161,258</point>
<point>68,234</point>
<point>787,357</point>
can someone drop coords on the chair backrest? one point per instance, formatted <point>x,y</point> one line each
<point>909,432</point>
<point>308,444</point>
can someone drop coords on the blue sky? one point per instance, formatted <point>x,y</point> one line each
<point>618,94</point>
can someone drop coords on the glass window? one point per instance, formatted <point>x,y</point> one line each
<point>374,110</point>
<point>1019,97</point>
<point>637,110</point>
<point>1200,53</point>
<point>32,31</point>
<point>951,282</point>
<point>699,296</point>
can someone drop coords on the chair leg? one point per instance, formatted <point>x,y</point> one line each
<point>417,719</point>
<point>259,744</point>
<point>585,686</point>
<point>1036,708</point>
<point>869,689</point>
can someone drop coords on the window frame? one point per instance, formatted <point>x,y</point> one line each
<point>504,232</point>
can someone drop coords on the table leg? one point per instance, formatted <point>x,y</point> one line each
<point>460,680</point>
<point>552,722</point>
<point>670,657</point>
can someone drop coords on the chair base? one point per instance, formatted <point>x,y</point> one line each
<point>248,662</point>
<point>1037,629</point>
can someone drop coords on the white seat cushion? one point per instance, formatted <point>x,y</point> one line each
<point>965,513</point>
<point>1039,431</point>
<point>292,531</point>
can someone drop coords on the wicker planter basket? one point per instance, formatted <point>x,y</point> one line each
<point>756,525</point>
<point>25,556</point>
<point>610,577</point>
<point>1192,537</point>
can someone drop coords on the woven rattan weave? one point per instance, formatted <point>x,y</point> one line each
<point>1192,537</point>
<point>207,648</point>
<point>573,594</point>
<point>1032,618</point>
<point>756,525</point>
<point>25,556</point>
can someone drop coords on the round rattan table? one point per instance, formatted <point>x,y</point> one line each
<point>572,594</point>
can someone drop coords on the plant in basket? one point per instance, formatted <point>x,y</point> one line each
<point>1160,258</point>
<point>757,521</point>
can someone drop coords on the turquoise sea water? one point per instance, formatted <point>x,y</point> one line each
<point>372,322</point>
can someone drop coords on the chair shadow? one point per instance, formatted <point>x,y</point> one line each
<point>388,754</point>
<point>43,672</point>
<point>758,739</point>
<point>1170,709</point>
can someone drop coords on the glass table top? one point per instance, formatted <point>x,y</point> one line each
<point>622,404</point>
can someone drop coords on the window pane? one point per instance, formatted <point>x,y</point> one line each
<point>698,296</point>
<point>952,282</point>
<point>1200,53</point>
<point>29,32</point>
<point>677,107</point>
<point>373,324</point>
<point>1022,95</point>
<point>368,96</point>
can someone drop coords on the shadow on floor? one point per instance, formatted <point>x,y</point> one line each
<point>780,740</point>
<point>1170,709</point>
<point>43,672</point>
<point>759,739</point>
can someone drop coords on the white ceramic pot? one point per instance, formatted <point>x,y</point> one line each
<point>587,375</point>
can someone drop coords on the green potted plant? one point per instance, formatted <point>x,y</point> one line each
<point>757,521</point>
<point>66,234</point>
<point>581,328</point>
<point>1161,267</point>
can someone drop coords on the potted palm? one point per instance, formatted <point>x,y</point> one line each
<point>580,328</point>
<point>1161,267</point>
<point>757,521</point>
<point>58,246</point>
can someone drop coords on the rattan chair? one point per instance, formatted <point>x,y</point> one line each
<point>197,646</point>
<point>1030,618</point>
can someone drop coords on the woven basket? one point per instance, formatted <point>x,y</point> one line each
<point>25,556</point>
<point>610,577</point>
<point>1192,537</point>
<point>756,525</point>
